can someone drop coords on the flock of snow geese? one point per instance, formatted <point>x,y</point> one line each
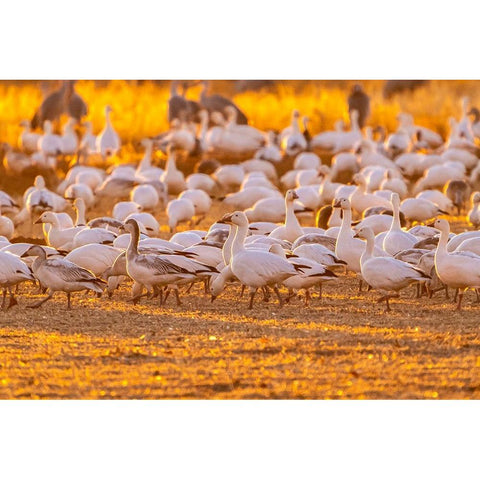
<point>358,203</point>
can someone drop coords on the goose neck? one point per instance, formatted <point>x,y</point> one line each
<point>290,217</point>
<point>132,249</point>
<point>239,241</point>
<point>80,220</point>
<point>227,246</point>
<point>369,247</point>
<point>396,218</point>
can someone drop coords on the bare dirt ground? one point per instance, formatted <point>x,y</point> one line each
<point>342,346</point>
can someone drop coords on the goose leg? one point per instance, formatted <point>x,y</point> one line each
<point>277,293</point>
<point>460,297</point>
<point>388,309</point>
<point>41,302</point>
<point>478,295</point>
<point>243,290</point>
<point>455,296</point>
<point>447,296</point>
<point>160,295</point>
<point>4,297</point>
<point>69,305</point>
<point>307,297</point>
<point>252,295</point>
<point>189,287</point>
<point>177,296</point>
<point>13,300</point>
<point>266,294</point>
<point>360,283</point>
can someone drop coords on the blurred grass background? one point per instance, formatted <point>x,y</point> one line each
<point>140,107</point>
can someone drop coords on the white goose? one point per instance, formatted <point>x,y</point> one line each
<point>108,142</point>
<point>28,140</point>
<point>60,275</point>
<point>255,268</point>
<point>459,270</point>
<point>311,273</point>
<point>12,272</point>
<point>94,257</point>
<point>7,228</point>
<point>291,230</point>
<point>58,237</point>
<point>69,139</point>
<point>270,151</point>
<point>154,271</point>
<point>49,143</point>
<point>474,213</point>
<point>397,239</point>
<point>386,273</point>
<point>292,140</point>
<point>145,195</point>
<point>347,248</point>
<point>88,141</point>
<point>179,210</point>
<point>172,177</point>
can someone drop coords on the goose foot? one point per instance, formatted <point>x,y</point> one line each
<point>189,288</point>
<point>13,301</point>
<point>277,293</point>
<point>386,299</point>
<point>41,302</point>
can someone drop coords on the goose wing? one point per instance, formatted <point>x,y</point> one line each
<point>68,271</point>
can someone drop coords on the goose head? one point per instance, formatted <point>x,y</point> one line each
<point>237,218</point>
<point>395,200</point>
<point>365,233</point>
<point>108,110</point>
<point>47,217</point>
<point>131,226</point>
<point>343,203</point>
<point>358,179</point>
<point>35,251</point>
<point>39,182</point>
<point>291,195</point>
<point>441,224</point>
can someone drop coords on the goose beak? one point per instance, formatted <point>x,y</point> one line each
<point>38,221</point>
<point>295,195</point>
<point>432,224</point>
<point>225,219</point>
<point>337,204</point>
<point>213,298</point>
<point>356,236</point>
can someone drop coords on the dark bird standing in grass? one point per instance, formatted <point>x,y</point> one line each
<point>458,192</point>
<point>62,100</point>
<point>178,106</point>
<point>358,100</point>
<point>217,103</point>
